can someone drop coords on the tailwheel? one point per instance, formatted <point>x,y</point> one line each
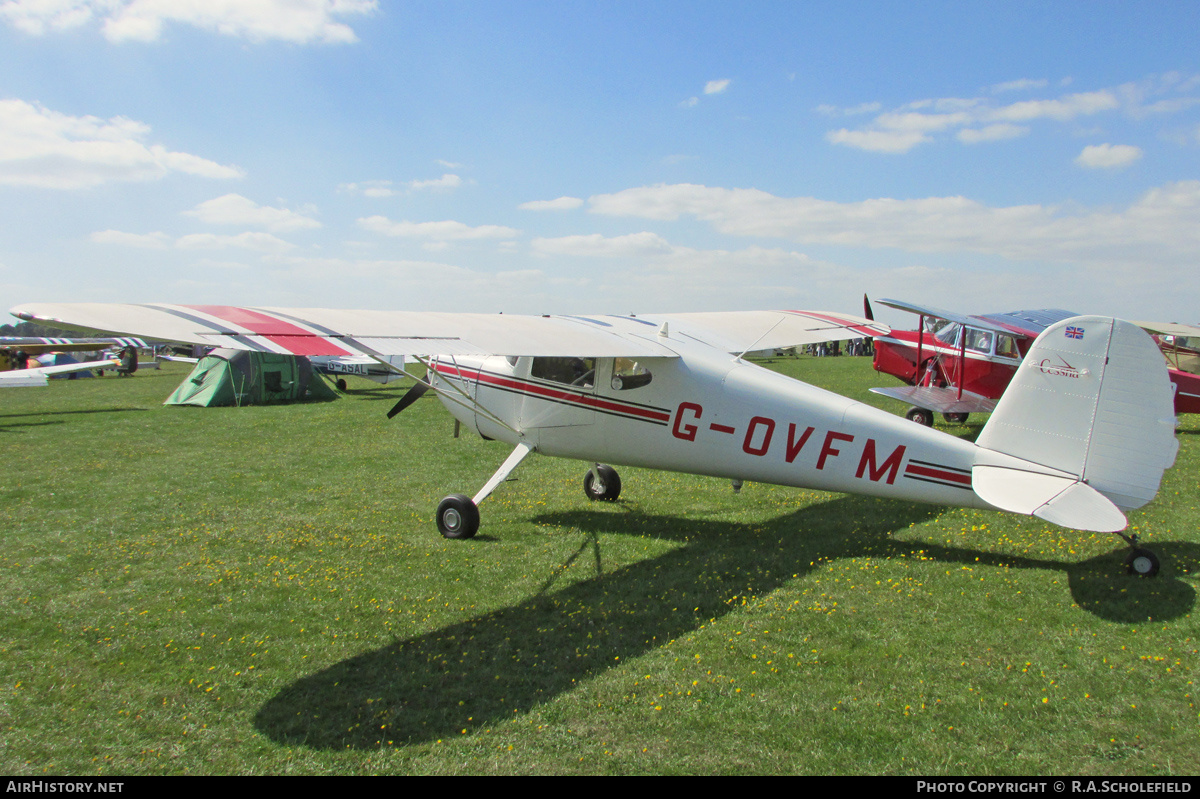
<point>457,517</point>
<point>1142,562</point>
<point>602,483</point>
<point>920,416</point>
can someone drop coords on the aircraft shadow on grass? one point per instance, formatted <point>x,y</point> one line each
<point>11,427</point>
<point>481,672</point>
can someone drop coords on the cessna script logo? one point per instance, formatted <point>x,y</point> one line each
<point>1060,369</point>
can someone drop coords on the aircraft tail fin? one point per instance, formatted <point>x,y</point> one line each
<point>1091,414</point>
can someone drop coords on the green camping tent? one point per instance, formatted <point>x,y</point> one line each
<point>237,377</point>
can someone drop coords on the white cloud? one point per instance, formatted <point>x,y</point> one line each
<point>997,132</point>
<point>369,188</point>
<point>560,204</point>
<point>258,242</point>
<point>446,181</point>
<point>717,86</point>
<point>1024,84</point>
<point>435,231</point>
<point>595,245</point>
<point>1063,109</point>
<point>690,102</point>
<point>234,209</point>
<point>878,141</point>
<point>298,21</point>
<point>1108,156</point>
<point>146,241</point>
<point>1162,227</point>
<point>976,120</point>
<point>40,147</point>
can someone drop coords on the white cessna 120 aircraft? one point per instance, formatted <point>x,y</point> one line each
<point>1083,433</point>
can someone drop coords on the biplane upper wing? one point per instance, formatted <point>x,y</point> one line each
<point>318,331</point>
<point>1020,323</point>
<point>949,316</point>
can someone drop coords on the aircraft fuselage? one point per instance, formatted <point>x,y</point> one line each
<point>708,413</point>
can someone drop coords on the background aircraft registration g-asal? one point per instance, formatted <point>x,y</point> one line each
<point>1076,447</point>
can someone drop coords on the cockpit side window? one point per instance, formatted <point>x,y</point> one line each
<point>629,374</point>
<point>1007,347</point>
<point>979,340</point>
<point>580,372</point>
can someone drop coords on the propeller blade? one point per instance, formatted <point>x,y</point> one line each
<point>867,312</point>
<point>411,396</point>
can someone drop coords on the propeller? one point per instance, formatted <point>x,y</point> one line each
<point>412,395</point>
<point>867,312</point>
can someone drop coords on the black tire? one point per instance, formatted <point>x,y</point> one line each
<point>602,483</point>
<point>956,418</point>
<point>457,517</point>
<point>1142,562</point>
<point>341,384</point>
<point>920,416</point>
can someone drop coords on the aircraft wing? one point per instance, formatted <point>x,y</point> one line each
<point>316,331</point>
<point>1170,328</point>
<point>36,345</point>
<point>939,399</point>
<point>949,316</point>
<point>1021,323</point>
<point>37,376</point>
<point>742,331</point>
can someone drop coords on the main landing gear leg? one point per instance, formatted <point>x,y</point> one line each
<point>1140,560</point>
<point>458,514</point>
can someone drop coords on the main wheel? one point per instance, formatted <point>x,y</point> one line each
<point>920,416</point>
<point>341,384</point>
<point>457,517</point>
<point>956,418</point>
<point>602,483</point>
<point>1142,562</point>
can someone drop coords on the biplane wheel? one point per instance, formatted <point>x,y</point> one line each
<point>602,483</point>
<point>920,416</point>
<point>956,418</point>
<point>341,384</point>
<point>457,517</point>
<point>1142,562</point>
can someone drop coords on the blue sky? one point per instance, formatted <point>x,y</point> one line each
<point>567,157</point>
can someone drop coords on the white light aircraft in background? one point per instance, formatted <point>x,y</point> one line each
<point>1075,447</point>
<point>11,376</point>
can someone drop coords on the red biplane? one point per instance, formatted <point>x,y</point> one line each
<point>957,365</point>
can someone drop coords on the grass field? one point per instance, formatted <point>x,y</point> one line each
<point>262,591</point>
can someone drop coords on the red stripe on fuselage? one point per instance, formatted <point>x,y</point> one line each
<point>939,474</point>
<point>291,337</point>
<point>546,392</point>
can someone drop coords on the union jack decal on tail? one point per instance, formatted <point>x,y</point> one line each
<point>1074,332</point>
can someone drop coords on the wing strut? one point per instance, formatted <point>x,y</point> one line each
<point>506,468</point>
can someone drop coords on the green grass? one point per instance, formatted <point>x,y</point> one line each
<point>262,590</point>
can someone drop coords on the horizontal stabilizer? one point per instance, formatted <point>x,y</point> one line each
<point>939,399</point>
<point>1061,500</point>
